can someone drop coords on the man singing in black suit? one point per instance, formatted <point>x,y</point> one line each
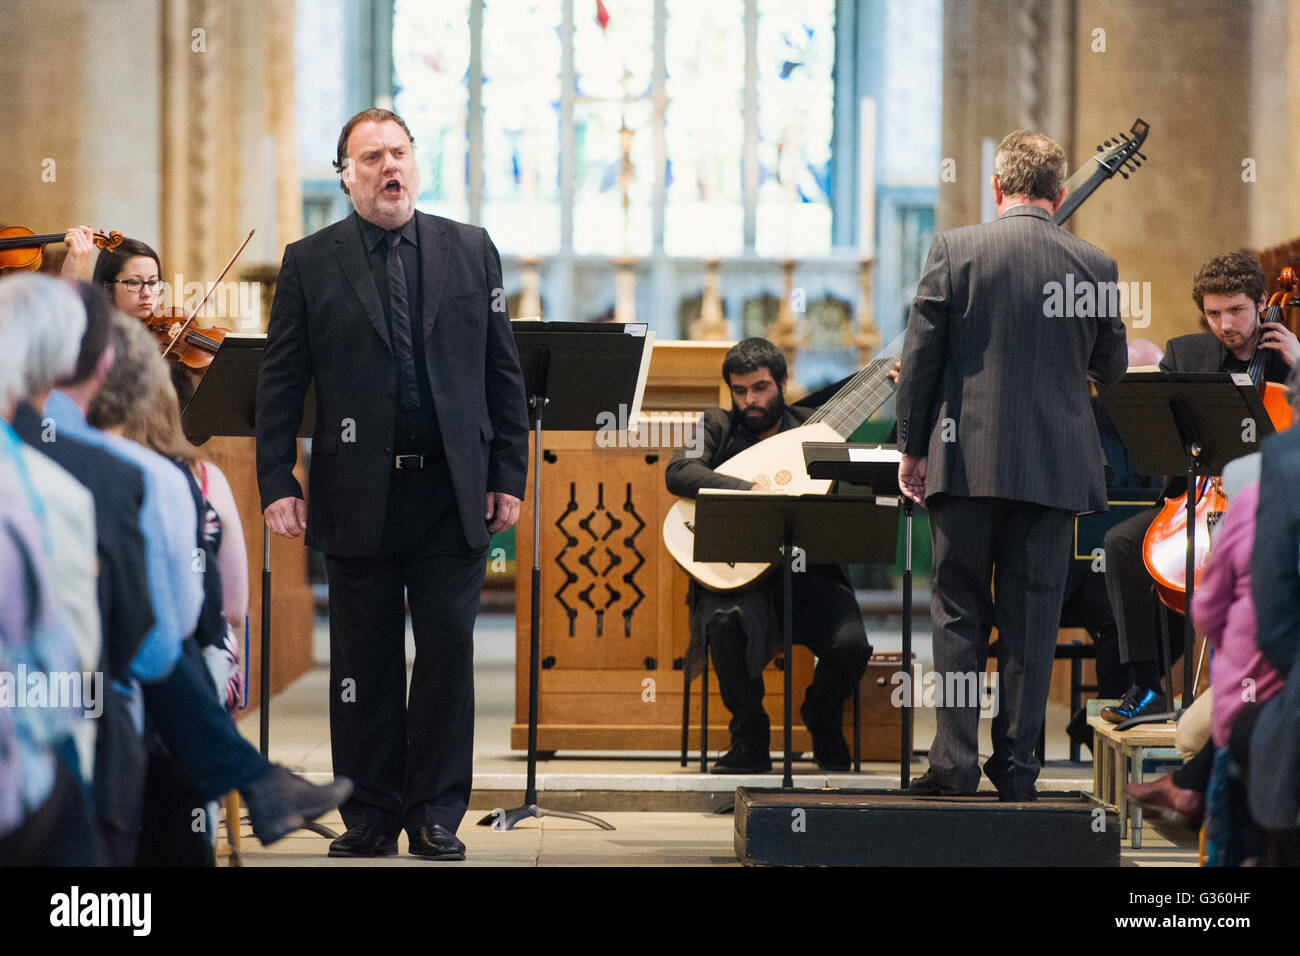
<point>419,455</point>
<point>1229,292</point>
<point>744,627</point>
<point>999,442</point>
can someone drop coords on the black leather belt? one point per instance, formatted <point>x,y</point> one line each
<point>407,462</point>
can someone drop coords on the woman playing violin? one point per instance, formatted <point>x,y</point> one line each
<point>130,276</point>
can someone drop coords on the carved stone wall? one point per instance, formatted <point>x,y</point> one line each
<point>1219,84</point>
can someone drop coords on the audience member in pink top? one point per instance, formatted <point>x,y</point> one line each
<point>1223,611</point>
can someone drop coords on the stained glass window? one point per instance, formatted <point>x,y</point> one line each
<point>704,128</point>
<point>796,57</point>
<point>431,47</point>
<point>617,116</point>
<point>613,117</point>
<point>521,125</point>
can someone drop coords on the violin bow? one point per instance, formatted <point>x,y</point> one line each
<point>189,319</point>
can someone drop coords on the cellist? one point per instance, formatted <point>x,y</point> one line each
<point>1229,291</point>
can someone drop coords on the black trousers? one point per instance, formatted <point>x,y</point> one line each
<point>827,622</point>
<point>995,563</point>
<point>410,762</point>
<point>1128,585</point>
<point>1086,605</point>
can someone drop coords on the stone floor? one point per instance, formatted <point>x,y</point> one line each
<point>661,811</point>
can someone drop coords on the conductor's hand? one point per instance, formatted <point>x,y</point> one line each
<point>81,244</point>
<point>911,478</point>
<point>502,511</point>
<point>287,516</point>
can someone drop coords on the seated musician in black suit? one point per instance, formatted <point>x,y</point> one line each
<point>1229,291</point>
<point>744,626</point>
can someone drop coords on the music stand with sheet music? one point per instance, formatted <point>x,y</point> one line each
<point>225,405</point>
<point>749,526</point>
<point>574,372</point>
<point>1194,423</point>
<point>876,468</point>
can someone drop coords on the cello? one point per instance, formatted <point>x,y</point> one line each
<point>1164,547</point>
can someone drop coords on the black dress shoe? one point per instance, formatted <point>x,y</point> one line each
<point>364,839</point>
<point>1078,730</point>
<point>1004,781</point>
<point>1136,702</point>
<point>742,758</point>
<point>927,786</point>
<point>830,749</point>
<point>280,802</point>
<point>433,841</point>
<point>832,753</point>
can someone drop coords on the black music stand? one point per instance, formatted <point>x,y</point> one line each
<point>748,526</point>
<point>224,405</point>
<point>1193,422</point>
<point>574,371</point>
<point>876,468</point>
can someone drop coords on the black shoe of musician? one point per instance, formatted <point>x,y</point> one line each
<point>744,758</point>
<point>1136,702</point>
<point>1078,730</point>
<point>830,750</point>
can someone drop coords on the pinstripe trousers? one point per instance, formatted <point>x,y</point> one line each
<point>997,563</point>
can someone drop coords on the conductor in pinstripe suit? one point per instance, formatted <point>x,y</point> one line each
<point>1010,319</point>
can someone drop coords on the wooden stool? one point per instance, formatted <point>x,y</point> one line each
<point>1117,756</point>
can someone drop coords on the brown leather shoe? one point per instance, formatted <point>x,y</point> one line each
<point>1170,801</point>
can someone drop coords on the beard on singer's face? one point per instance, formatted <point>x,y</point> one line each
<point>755,423</point>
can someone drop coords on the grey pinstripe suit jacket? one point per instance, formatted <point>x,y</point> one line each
<point>993,386</point>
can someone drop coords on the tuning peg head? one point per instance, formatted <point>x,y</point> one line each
<point>1101,149</point>
<point>1140,154</point>
<point>1124,174</point>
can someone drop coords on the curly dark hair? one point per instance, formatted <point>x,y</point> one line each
<point>1229,274</point>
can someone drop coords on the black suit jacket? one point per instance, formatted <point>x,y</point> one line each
<point>1203,352</point>
<point>993,386</point>
<point>327,324</point>
<point>117,488</point>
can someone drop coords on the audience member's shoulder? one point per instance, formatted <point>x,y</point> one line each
<point>96,466</point>
<point>1280,457</point>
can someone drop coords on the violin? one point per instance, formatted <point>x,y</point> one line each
<point>1164,547</point>
<point>187,344</point>
<point>20,248</point>
<point>197,347</point>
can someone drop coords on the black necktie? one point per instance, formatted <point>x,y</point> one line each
<point>407,391</point>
